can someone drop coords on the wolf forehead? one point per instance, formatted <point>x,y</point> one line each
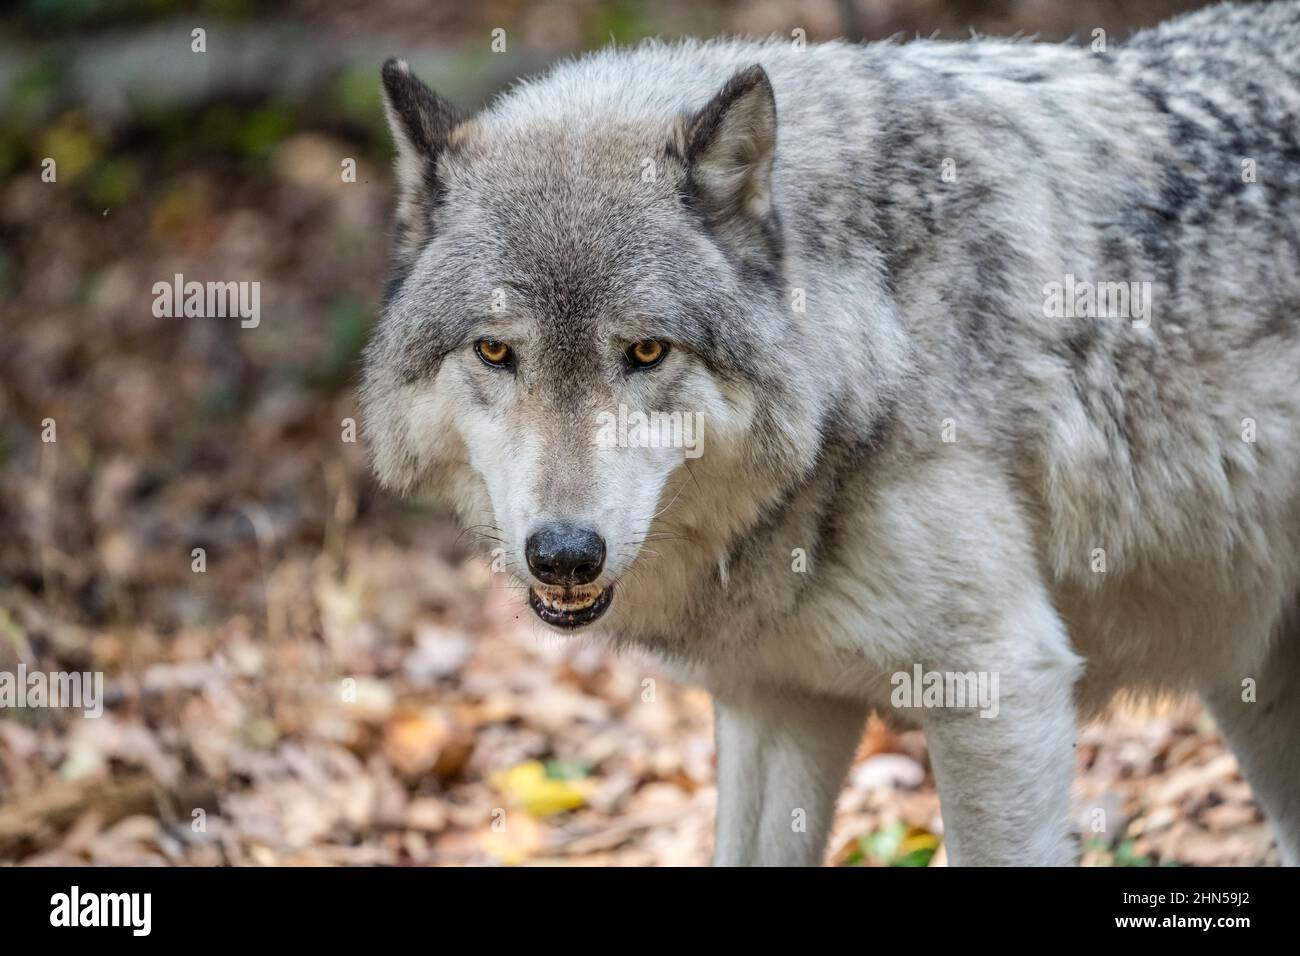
<point>563,265</point>
<point>576,232</point>
<point>564,215</point>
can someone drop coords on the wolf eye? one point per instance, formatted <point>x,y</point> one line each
<point>494,353</point>
<point>647,353</point>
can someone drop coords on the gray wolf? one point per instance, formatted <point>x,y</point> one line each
<point>918,459</point>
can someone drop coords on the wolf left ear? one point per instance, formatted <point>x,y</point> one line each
<point>422,124</point>
<point>729,146</point>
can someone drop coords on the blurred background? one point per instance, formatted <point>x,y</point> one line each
<point>333,678</point>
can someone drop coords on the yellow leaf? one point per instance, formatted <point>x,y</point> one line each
<point>71,148</point>
<point>527,785</point>
<point>917,839</point>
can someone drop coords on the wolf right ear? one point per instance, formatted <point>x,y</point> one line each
<point>729,146</point>
<point>422,124</point>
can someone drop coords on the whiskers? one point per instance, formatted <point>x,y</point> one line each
<point>493,533</point>
<point>663,532</point>
<point>505,561</point>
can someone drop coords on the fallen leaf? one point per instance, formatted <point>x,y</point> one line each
<point>528,785</point>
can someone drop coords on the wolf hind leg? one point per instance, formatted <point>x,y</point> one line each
<point>1264,733</point>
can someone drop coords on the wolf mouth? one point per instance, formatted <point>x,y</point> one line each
<point>569,607</point>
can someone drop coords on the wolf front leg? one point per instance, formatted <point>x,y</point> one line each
<point>1004,768</point>
<point>782,758</point>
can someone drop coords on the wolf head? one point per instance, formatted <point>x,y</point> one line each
<point>580,307</point>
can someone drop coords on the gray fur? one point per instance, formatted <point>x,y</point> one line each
<point>824,428</point>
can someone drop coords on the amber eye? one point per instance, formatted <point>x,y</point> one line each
<point>493,352</point>
<point>646,353</point>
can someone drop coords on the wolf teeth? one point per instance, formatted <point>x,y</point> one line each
<point>574,605</point>
<point>571,604</point>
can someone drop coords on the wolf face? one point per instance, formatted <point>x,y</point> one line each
<point>554,280</point>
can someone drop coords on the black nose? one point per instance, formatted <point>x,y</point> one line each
<point>565,554</point>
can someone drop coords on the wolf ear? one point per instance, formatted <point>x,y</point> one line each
<point>422,124</point>
<point>729,146</point>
